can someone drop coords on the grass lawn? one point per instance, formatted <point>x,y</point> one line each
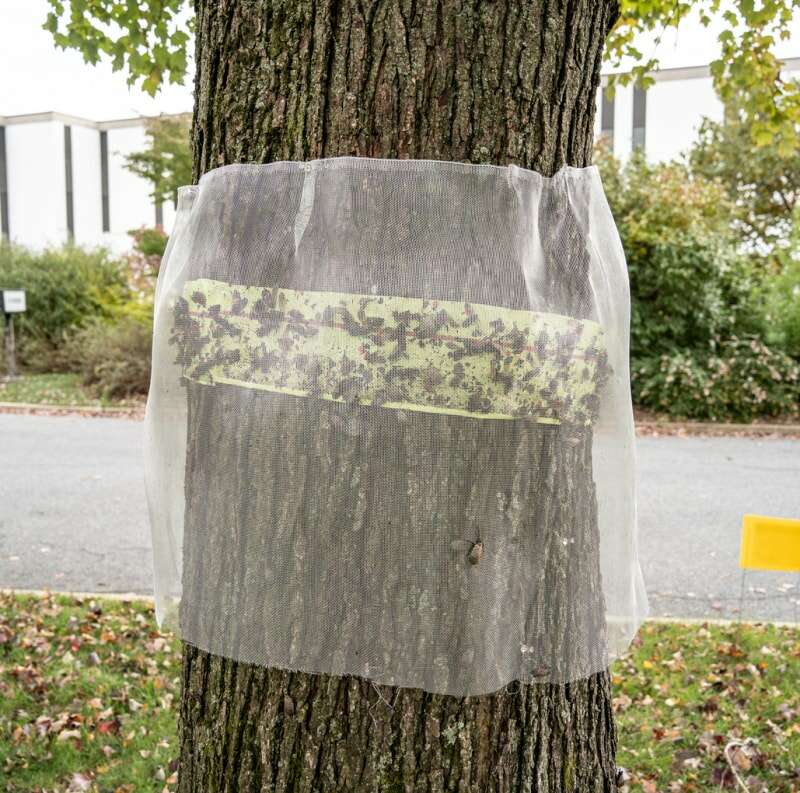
<point>53,389</point>
<point>88,702</point>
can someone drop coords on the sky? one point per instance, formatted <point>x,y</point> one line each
<point>36,77</point>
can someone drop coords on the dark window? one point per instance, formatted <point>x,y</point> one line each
<point>607,117</point>
<point>68,179</point>
<point>3,185</point>
<point>639,117</point>
<point>159,214</point>
<point>104,180</point>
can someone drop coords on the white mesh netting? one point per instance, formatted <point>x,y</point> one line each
<point>389,430</point>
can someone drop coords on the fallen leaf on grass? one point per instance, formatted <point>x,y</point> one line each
<point>723,777</point>
<point>79,783</point>
<point>687,758</point>
<point>739,759</point>
<point>620,703</point>
<point>110,727</point>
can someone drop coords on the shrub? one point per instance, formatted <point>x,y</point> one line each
<point>780,294</point>
<point>150,242</point>
<point>707,341</point>
<point>41,355</point>
<point>689,282</point>
<point>738,379</point>
<point>65,288</point>
<point>688,288</point>
<point>113,358</point>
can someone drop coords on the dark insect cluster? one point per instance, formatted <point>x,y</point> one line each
<point>396,352</point>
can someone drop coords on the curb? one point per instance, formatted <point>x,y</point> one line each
<point>133,596</point>
<point>720,621</point>
<point>667,427</point>
<point>121,596</point>
<point>717,428</point>
<point>80,409</point>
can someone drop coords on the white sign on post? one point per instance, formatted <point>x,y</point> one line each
<point>13,301</point>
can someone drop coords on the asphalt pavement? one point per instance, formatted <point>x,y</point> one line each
<point>73,514</point>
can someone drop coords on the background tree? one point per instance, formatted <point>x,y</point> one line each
<point>747,71</point>
<point>763,186</point>
<point>167,161</point>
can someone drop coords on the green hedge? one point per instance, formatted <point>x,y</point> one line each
<point>780,294</point>
<point>65,289</point>
<point>85,315</point>
<point>712,335</point>
<point>737,380</point>
<point>113,358</point>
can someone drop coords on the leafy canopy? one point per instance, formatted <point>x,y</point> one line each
<point>747,71</point>
<point>149,40</point>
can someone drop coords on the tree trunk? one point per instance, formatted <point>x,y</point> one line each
<point>484,82</point>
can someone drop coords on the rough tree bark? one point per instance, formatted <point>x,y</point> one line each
<point>492,82</point>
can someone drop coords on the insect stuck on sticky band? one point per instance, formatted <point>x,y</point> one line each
<point>475,553</point>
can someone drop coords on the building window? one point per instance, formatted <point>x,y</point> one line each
<point>639,118</point>
<point>104,180</point>
<point>68,180</point>
<point>3,186</point>
<point>607,117</point>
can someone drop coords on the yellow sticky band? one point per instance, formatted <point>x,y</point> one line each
<point>402,353</point>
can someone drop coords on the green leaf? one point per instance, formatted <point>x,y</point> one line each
<point>148,40</point>
<point>744,71</point>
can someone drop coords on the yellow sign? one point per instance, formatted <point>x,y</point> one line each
<point>770,543</point>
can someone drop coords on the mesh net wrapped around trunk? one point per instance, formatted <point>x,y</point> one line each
<point>389,431</point>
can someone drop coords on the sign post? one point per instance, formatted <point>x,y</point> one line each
<point>12,301</point>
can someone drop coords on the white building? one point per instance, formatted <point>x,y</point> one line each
<point>664,120</point>
<point>63,177</point>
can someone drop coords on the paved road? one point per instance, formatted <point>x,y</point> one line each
<point>72,513</point>
<point>72,504</point>
<point>692,495</point>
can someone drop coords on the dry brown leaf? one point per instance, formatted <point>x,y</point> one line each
<point>740,758</point>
